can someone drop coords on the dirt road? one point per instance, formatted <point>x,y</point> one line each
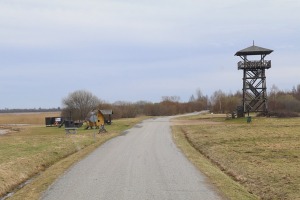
<point>143,163</point>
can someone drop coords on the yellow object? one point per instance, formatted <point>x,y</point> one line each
<point>98,118</point>
<point>101,119</point>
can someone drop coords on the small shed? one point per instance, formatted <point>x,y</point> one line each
<point>104,117</point>
<point>98,118</point>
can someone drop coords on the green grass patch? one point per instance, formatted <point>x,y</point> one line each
<point>263,156</point>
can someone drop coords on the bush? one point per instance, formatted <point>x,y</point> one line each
<point>283,114</point>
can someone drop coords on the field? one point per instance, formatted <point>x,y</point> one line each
<point>37,118</point>
<point>262,156</point>
<point>28,150</point>
<point>257,160</point>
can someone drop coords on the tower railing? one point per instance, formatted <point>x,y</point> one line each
<point>256,64</point>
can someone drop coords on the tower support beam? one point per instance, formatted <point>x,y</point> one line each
<point>254,79</point>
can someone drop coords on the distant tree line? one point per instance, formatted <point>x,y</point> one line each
<point>26,110</point>
<point>284,103</point>
<point>79,103</point>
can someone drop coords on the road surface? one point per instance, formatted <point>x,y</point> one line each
<point>143,163</point>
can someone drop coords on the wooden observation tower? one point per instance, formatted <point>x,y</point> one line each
<point>254,78</point>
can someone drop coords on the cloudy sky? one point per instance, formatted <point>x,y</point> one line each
<point>139,49</point>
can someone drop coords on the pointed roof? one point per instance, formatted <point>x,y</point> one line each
<point>106,112</point>
<point>253,50</point>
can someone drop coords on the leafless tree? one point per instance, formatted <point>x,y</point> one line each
<point>78,104</point>
<point>170,98</point>
<point>273,97</point>
<point>218,101</point>
<point>124,109</point>
<point>297,92</point>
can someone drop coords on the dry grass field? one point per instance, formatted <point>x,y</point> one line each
<point>37,118</point>
<point>26,151</point>
<point>263,156</point>
<point>259,160</point>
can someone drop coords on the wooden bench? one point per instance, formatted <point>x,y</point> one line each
<point>71,130</point>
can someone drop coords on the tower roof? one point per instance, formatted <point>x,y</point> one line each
<point>253,50</point>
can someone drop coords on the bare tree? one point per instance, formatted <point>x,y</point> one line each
<point>123,109</point>
<point>200,102</point>
<point>171,98</point>
<point>218,100</point>
<point>199,95</point>
<point>297,92</point>
<point>232,101</point>
<point>289,103</point>
<point>192,98</point>
<point>273,97</point>
<point>78,104</point>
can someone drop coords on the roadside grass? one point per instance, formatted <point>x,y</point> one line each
<point>46,152</point>
<point>262,156</point>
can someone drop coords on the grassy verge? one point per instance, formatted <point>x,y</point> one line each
<point>263,157</point>
<point>46,152</point>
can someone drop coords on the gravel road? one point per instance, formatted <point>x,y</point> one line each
<point>143,163</point>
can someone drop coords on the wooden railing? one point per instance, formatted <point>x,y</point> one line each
<point>256,64</point>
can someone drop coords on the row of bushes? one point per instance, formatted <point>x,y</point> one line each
<point>280,104</point>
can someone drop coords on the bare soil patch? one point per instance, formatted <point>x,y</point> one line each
<point>8,129</point>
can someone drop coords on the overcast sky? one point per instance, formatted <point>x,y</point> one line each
<point>139,49</point>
